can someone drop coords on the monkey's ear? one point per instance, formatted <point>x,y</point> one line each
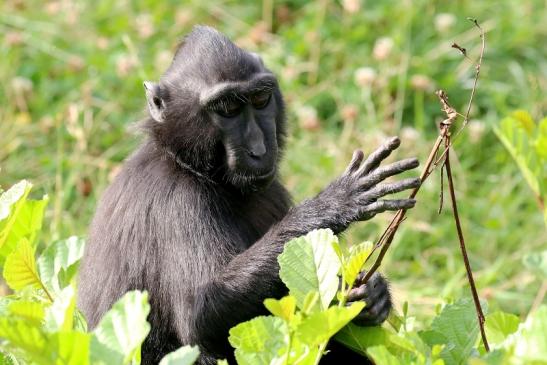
<point>257,57</point>
<point>156,106</point>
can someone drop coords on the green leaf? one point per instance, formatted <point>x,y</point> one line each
<point>311,302</point>
<point>15,194</point>
<point>457,327</point>
<point>60,315</point>
<point>58,258</point>
<point>24,336</point>
<point>33,312</point>
<point>359,338</point>
<point>309,263</point>
<point>262,340</point>
<point>7,359</point>
<point>381,355</point>
<point>357,257</point>
<point>499,325</point>
<point>186,355</point>
<point>321,326</point>
<point>123,328</point>
<point>19,218</point>
<point>529,343</point>
<point>20,267</point>
<point>283,308</point>
<point>71,348</point>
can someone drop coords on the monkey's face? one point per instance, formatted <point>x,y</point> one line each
<point>246,118</point>
<point>219,110</point>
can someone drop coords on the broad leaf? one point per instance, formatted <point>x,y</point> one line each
<point>19,218</point>
<point>381,355</point>
<point>33,312</point>
<point>20,267</point>
<point>186,355</point>
<point>320,326</point>
<point>22,335</point>
<point>457,327</point>
<point>57,258</point>
<point>309,263</point>
<point>283,308</point>
<point>499,325</point>
<point>359,338</point>
<point>262,340</point>
<point>357,257</point>
<point>530,341</point>
<point>60,315</point>
<point>123,328</point>
<point>70,348</point>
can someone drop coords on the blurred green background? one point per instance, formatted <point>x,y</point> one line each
<point>352,71</point>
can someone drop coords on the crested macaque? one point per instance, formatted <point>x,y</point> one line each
<point>198,216</point>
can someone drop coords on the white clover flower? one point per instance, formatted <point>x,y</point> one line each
<point>476,129</point>
<point>382,48</point>
<point>307,118</point>
<point>444,21</point>
<point>365,76</point>
<point>351,6</point>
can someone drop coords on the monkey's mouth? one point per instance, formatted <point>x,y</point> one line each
<point>251,181</point>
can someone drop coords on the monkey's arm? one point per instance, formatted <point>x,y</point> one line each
<point>238,292</point>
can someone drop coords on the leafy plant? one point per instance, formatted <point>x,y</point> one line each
<point>526,142</point>
<point>39,322</point>
<point>303,322</point>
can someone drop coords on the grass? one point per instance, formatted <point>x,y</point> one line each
<point>71,77</point>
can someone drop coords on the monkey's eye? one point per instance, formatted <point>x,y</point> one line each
<point>260,99</point>
<point>229,108</point>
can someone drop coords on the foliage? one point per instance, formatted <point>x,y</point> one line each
<point>39,322</point>
<point>526,141</point>
<point>352,72</point>
<point>303,322</point>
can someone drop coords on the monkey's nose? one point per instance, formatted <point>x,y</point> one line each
<point>257,151</point>
<point>256,155</point>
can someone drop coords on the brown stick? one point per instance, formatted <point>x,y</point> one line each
<point>432,162</point>
<point>478,308</point>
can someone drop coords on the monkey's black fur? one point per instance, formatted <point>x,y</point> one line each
<point>197,216</point>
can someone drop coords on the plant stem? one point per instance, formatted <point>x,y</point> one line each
<point>478,308</point>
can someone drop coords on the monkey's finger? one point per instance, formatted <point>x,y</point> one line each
<point>356,294</point>
<point>392,188</point>
<point>356,160</point>
<point>376,157</point>
<point>383,205</point>
<point>384,172</point>
<point>374,314</point>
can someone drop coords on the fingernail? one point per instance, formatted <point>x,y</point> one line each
<point>394,142</point>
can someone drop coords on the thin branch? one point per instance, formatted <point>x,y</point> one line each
<point>432,162</point>
<point>478,308</point>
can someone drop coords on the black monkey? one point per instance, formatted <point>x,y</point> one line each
<point>197,216</point>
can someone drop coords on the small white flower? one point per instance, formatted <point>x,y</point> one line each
<point>444,21</point>
<point>307,117</point>
<point>409,135</point>
<point>351,6</point>
<point>365,76</point>
<point>476,129</point>
<point>382,48</point>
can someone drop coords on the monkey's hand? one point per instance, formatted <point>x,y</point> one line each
<point>377,297</point>
<point>356,195</point>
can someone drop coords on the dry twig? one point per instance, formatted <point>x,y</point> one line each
<point>430,165</point>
